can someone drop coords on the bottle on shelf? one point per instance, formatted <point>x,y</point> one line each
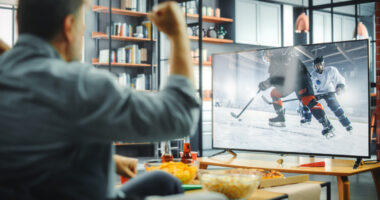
<point>166,154</point>
<point>186,155</point>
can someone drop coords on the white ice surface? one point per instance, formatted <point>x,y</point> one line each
<point>254,133</point>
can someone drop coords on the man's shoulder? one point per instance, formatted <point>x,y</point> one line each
<point>332,69</point>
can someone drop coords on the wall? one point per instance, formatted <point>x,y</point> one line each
<point>377,14</point>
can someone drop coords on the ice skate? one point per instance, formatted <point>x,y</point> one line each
<point>305,114</point>
<point>278,121</point>
<point>305,122</point>
<point>328,132</point>
<point>349,129</point>
<point>328,129</point>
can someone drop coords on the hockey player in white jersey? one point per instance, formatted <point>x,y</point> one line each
<point>327,82</point>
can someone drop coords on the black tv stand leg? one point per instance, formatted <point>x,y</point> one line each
<point>358,162</point>
<point>224,151</point>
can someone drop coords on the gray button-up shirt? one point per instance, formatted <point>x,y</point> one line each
<point>58,121</point>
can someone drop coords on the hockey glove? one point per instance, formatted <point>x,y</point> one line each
<point>339,89</point>
<point>264,85</point>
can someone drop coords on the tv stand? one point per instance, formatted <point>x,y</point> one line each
<point>358,162</point>
<point>224,151</point>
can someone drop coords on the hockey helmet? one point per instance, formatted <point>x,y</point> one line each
<point>319,60</point>
<point>319,64</point>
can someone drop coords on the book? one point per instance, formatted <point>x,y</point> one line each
<point>148,27</point>
<point>134,5</point>
<point>140,31</point>
<point>144,55</point>
<point>140,82</point>
<point>104,56</point>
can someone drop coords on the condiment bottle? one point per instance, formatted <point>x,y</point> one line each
<point>186,156</point>
<point>166,154</point>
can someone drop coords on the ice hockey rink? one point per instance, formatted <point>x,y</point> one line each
<point>253,132</point>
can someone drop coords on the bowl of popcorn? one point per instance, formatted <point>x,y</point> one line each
<point>233,184</point>
<point>184,172</point>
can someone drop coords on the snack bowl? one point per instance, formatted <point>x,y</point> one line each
<point>184,172</point>
<point>235,185</point>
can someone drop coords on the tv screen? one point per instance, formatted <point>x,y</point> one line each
<point>311,99</point>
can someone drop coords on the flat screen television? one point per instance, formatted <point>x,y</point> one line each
<point>309,99</point>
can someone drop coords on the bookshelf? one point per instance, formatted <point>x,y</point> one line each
<point>96,62</point>
<point>204,37</point>
<point>135,66</point>
<point>105,10</point>
<point>210,19</point>
<point>130,144</point>
<point>212,40</point>
<point>104,36</point>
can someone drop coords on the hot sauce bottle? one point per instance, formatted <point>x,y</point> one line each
<point>167,155</point>
<point>186,156</point>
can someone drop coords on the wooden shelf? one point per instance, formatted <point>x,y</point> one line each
<point>95,61</point>
<point>129,144</point>
<point>206,64</point>
<point>104,36</point>
<point>104,9</point>
<point>211,19</point>
<point>148,91</point>
<point>213,40</point>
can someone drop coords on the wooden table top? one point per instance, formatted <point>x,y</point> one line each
<point>261,194</point>
<point>336,167</point>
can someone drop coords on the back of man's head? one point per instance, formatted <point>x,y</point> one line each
<point>44,18</point>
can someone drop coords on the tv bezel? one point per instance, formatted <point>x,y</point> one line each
<point>298,153</point>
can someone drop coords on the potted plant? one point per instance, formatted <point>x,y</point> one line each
<point>221,32</point>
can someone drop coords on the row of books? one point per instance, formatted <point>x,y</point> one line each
<point>127,30</point>
<point>128,54</point>
<point>134,5</point>
<point>140,82</point>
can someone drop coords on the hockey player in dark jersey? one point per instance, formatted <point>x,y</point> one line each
<point>327,82</point>
<point>288,74</point>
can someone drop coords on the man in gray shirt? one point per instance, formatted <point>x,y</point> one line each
<point>58,117</point>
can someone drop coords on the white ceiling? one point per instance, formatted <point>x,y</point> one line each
<point>367,9</point>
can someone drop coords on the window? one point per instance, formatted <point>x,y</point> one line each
<point>7,24</point>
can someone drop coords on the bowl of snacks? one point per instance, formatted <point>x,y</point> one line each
<point>232,183</point>
<point>265,174</point>
<point>184,172</point>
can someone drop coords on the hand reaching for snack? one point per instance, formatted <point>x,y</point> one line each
<point>3,47</point>
<point>126,167</point>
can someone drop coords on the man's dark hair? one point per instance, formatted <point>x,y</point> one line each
<point>319,60</point>
<point>44,18</point>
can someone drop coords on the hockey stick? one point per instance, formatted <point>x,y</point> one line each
<point>318,97</point>
<point>269,102</point>
<point>234,115</point>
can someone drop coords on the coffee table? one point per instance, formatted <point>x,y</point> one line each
<point>341,168</point>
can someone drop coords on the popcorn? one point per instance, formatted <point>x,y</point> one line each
<point>234,186</point>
